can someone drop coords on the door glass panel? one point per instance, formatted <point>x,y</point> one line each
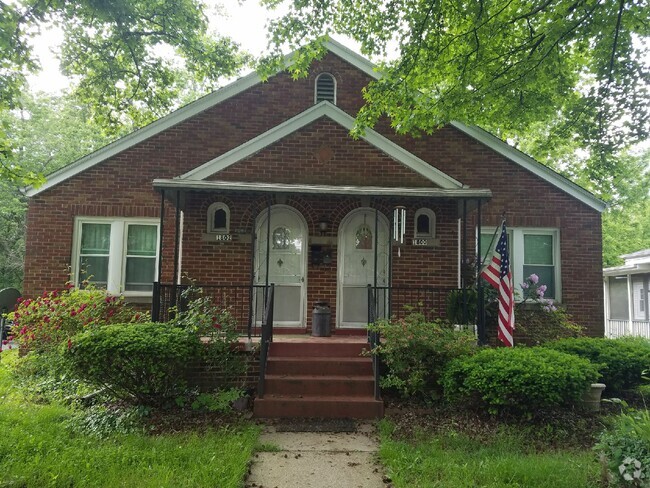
<point>355,305</point>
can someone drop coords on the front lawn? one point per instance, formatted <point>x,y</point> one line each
<point>38,449</point>
<point>454,459</point>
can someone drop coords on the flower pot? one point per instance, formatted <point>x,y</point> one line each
<point>591,398</point>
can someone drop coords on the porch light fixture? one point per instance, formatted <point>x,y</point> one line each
<point>399,227</point>
<point>323,225</point>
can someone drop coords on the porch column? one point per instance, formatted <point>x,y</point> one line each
<point>630,305</point>
<point>480,323</point>
<point>177,234</point>
<point>463,261</point>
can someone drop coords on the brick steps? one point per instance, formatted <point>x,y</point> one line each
<point>319,406</point>
<point>352,386</point>
<point>326,378</point>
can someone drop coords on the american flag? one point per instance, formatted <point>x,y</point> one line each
<point>498,274</point>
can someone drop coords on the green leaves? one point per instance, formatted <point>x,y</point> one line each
<point>502,65</point>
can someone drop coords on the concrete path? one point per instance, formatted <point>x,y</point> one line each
<point>317,460</point>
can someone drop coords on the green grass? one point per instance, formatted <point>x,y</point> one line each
<point>455,461</point>
<point>37,450</point>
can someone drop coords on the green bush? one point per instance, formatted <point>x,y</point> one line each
<point>218,328</point>
<point>625,447</point>
<point>518,380</point>
<point>416,353</point>
<point>145,364</point>
<point>621,362</point>
<point>42,323</point>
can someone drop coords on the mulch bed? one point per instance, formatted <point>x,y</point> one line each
<point>546,430</point>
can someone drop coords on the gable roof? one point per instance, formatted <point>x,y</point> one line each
<point>532,165</point>
<point>252,79</point>
<point>322,109</point>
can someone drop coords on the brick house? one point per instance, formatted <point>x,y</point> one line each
<point>260,182</point>
<point>227,159</point>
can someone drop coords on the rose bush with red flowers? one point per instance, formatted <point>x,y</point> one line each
<point>41,323</point>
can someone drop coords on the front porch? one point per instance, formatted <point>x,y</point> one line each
<point>269,253</point>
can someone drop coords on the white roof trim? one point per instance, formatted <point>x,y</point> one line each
<point>255,186</point>
<point>184,113</point>
<point>323,109</point>
<point>532,165</point>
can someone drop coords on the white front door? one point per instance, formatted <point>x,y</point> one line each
<point>286,264</point>
<point>356,262</point>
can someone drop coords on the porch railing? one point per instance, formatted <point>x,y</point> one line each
<point>245,302</point>
<point>622,327</point>
<point>267,338</point>
<point>399,301</point>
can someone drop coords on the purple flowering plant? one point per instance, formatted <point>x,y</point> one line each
<point>533,291</point>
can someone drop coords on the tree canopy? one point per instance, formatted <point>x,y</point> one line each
<point>131,60</point>
<point>501,64</point>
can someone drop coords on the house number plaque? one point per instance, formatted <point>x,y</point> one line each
<point>223,237</point>
<point>420,242</point>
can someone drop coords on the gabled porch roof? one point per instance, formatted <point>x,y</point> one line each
<point>327,110</point>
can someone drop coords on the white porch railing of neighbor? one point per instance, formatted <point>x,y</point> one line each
<point>619,328</point>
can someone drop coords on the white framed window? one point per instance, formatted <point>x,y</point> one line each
<point>120,255</point>
<point>532,251</point>
<point>325,88</point>
<point>424,224</point>
<point>218,218</point>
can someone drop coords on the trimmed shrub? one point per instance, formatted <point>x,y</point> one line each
<point>416,353</point>
<point>625,447</point>
<point>42,323</point>
<point>518,380</point>
<point>144,364</point>
<point>621,362</point>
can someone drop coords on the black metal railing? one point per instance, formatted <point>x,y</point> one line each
<point>373,340</point>
<point>243,301</point>
<point>267,338</point>
<point>399,301</point>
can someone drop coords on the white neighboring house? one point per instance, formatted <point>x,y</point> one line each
<point>626,296</point>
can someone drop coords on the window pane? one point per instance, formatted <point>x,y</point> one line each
<point>363,238</point>
<point>141,240</point>
<point>219,219</point>
<point>423,224</point>
<point>618,308</point>
<point>94,269</point>
<point>546,277</point>
<point>95,238</point>
<point>538,249</point>
<point>139,274</point>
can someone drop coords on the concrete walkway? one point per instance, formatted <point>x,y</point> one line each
<point>318,460</point>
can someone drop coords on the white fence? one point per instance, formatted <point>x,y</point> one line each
<point>618,328</point>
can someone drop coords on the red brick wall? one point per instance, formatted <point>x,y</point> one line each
<point>320,152</point>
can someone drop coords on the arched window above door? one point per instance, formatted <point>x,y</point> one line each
<point>425,224</point>
<point>218,218</point>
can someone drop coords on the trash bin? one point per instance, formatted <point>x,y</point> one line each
<point>320,320</point>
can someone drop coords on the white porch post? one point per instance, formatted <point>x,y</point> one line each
<point>630,305</point>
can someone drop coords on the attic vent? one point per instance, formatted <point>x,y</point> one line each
<point>325,88</point>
